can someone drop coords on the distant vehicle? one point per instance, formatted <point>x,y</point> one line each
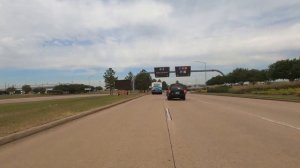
<point>227,84</point>
<point>156,88</point>
<point>176,90</point>
<point>246,83</point>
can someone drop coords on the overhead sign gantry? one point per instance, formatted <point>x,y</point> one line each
<point>183,71</point>
<point>180,71</point>
<point>161,72</point>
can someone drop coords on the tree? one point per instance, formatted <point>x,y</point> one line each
<point>110,79</point>
<point>295,69</point>
<point>26,88</point>
<point>285,69</point>
<point>216,80</point>
<point>129,76</point>
<point>279,70</point>
<point>73,88</point>
<point>99,88</point>
<point>143,80</point>
<point>39,90</point>
<point>238,75</point>
<point>11,89</point>
<point>164,85</point>
<point>255,75</point>
<point>3,92</point>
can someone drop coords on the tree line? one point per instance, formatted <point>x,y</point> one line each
<point>58,89</point>
<point>288,69</point>
<point>142,80</point>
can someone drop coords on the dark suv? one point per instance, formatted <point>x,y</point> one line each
<point>176,90</point>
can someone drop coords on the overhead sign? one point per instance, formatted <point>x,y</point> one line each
<point>123,84</point>
<point>162,72</point>
<point>182,71</point>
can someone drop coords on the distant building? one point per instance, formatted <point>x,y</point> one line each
<point>18,91</point>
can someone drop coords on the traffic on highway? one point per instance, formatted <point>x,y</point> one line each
<point>149,84</point>
<point>202,131</point>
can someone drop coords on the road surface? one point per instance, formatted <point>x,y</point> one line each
<point>151,132</point>
<point>33,99</point>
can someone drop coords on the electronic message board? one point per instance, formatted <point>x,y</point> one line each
<point>182,71</point>
<point>162,72</point>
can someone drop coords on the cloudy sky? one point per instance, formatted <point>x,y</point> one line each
<point>50,41</point>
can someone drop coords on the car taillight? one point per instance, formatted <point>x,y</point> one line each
<point>185,91</point>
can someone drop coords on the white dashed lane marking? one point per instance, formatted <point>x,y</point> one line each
<point>168,114</point>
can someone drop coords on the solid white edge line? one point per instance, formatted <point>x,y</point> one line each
<point>280,123</point>
<point>266,119</point>
<point>275,122</point>
<point>204,102</point>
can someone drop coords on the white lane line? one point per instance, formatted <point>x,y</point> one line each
<point>275,122</point>
<point>204,102</point>
<point>201,101</point>
<point>168,114</point>
<point>265,119</point>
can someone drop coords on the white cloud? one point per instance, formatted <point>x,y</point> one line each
<point>40,34</point>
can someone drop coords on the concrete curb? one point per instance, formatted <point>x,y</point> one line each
<point>37,129</point>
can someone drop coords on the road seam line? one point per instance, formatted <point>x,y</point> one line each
<point>167,112</point>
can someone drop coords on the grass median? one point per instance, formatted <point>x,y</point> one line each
<point>2,97</point>
<point>20,116</point>
<point>291,98</point>
<point>284,91</point>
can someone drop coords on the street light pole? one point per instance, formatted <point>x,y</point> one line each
<point>204,69</point>
<point>89,79</point>
<point>133,81</point>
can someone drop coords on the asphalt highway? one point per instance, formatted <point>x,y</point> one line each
<point>151,132</point>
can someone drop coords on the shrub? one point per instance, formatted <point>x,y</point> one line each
<point>278,88</point>
<point>39,90</point>
<point>3,92</point>
<point>55,92</point>
<point>219,89</point>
